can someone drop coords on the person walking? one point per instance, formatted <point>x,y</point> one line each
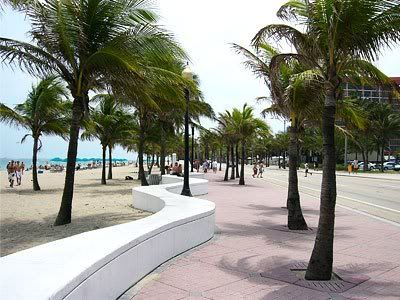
<point>205,166</point>
<point>355,166</point>
<point>11,173</point>
<point>260,171</point>
<point>215,166</point>
<point>349,168</point>
<point>255,169</point>
<point>306,169</point>
<point>18,175</point>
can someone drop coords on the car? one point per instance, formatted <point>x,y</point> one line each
<point>391,166</point>
<point>371,166</point>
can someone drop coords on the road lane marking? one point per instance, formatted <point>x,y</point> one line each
<point>348,198</point>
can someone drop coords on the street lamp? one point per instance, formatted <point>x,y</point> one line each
<point>188,75</point>
<point>192,148</point>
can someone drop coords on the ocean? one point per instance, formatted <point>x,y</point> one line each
<point>53,161</point>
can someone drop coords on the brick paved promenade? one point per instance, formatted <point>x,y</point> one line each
<point>251,240</point>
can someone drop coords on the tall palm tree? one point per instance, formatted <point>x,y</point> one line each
<point>330,47</point>
<point>90,44</point>
<point>43,112</point>
<point>291,99</point>
<point>109,123</point>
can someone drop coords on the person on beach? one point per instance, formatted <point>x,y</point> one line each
<point>260,171</point>
<point>215,166</point>
<point>18,175</point>
<point>11,173</point>
<point>255,169</point>
<point>22,168</point>
<point>349,168</point>
<point>315,166</point>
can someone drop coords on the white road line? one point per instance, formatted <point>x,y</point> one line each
<point>348,198</point>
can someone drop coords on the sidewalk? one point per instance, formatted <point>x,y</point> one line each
<point>252,253</point>
<point>373,175</point>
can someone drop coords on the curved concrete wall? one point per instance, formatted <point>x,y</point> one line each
<point>102,264</point>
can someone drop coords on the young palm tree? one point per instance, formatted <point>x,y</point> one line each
<point>245,125</point>
<point>385,124</point>
<point>90,44</point>
<point>108,123</point>
<point>43,112</point>
<point>336,52</point>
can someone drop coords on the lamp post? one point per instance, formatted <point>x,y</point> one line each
<point>191,170</point>
<point>188,75</point>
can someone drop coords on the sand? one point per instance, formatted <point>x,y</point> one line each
<point>27,217</point>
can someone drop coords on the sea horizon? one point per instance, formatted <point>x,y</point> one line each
<point>54,161</point>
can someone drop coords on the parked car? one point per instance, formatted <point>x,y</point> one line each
<point>371,166</point>
<point>391,166</point>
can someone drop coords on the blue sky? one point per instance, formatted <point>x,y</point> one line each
<point>205,29</point>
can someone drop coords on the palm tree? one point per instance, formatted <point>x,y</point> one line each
<point>385,124</point>
<point>336,52</point>
<point>108,123</point>
<point>90,44</point>
<point>245,125</point>
<point>43,112</point>
<point>295,95</point>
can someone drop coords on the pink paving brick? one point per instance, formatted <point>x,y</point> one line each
<point>253,239</point>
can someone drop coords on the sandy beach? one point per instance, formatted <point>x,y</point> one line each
<point>27,217</point>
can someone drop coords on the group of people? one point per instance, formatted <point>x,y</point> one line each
<point>15,170</point>
<point>258,170</point>
<point>208,164</point>
<point>176,169</point>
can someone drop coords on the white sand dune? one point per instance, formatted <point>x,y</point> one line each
<point>27,217</point>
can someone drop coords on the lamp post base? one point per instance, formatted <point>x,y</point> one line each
<point>186,192</point>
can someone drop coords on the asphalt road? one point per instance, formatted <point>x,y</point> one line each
<point>378,197</point>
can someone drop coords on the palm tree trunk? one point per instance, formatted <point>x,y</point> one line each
<point>233,162</point>
<point>162,157</point>
<point>227,164</point>
<point>284,159</point>
<point>382,157</point>
<point>152,163</point>
<point>103,171</point>
<point>279,159</point>
<point>64,214</point>
<point>109,162</point>
<point>321,261</point>
<point>295,215</point>
<point>142,176</point>
<point>35,181</point>
<point>237,160</point>
<point>241,180</point>
<point>365,166</point>
<point>220,159</point>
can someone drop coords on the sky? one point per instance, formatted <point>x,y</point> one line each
<point>206,30</point>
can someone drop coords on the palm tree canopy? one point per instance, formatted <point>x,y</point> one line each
<point>43,112</point>
<point>94,43</point>
<point>108,122</point>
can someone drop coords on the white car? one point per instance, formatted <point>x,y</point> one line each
<point>391,166</point>
<point>371,166</point>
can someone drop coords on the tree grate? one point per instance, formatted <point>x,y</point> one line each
<point>294,273</point>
